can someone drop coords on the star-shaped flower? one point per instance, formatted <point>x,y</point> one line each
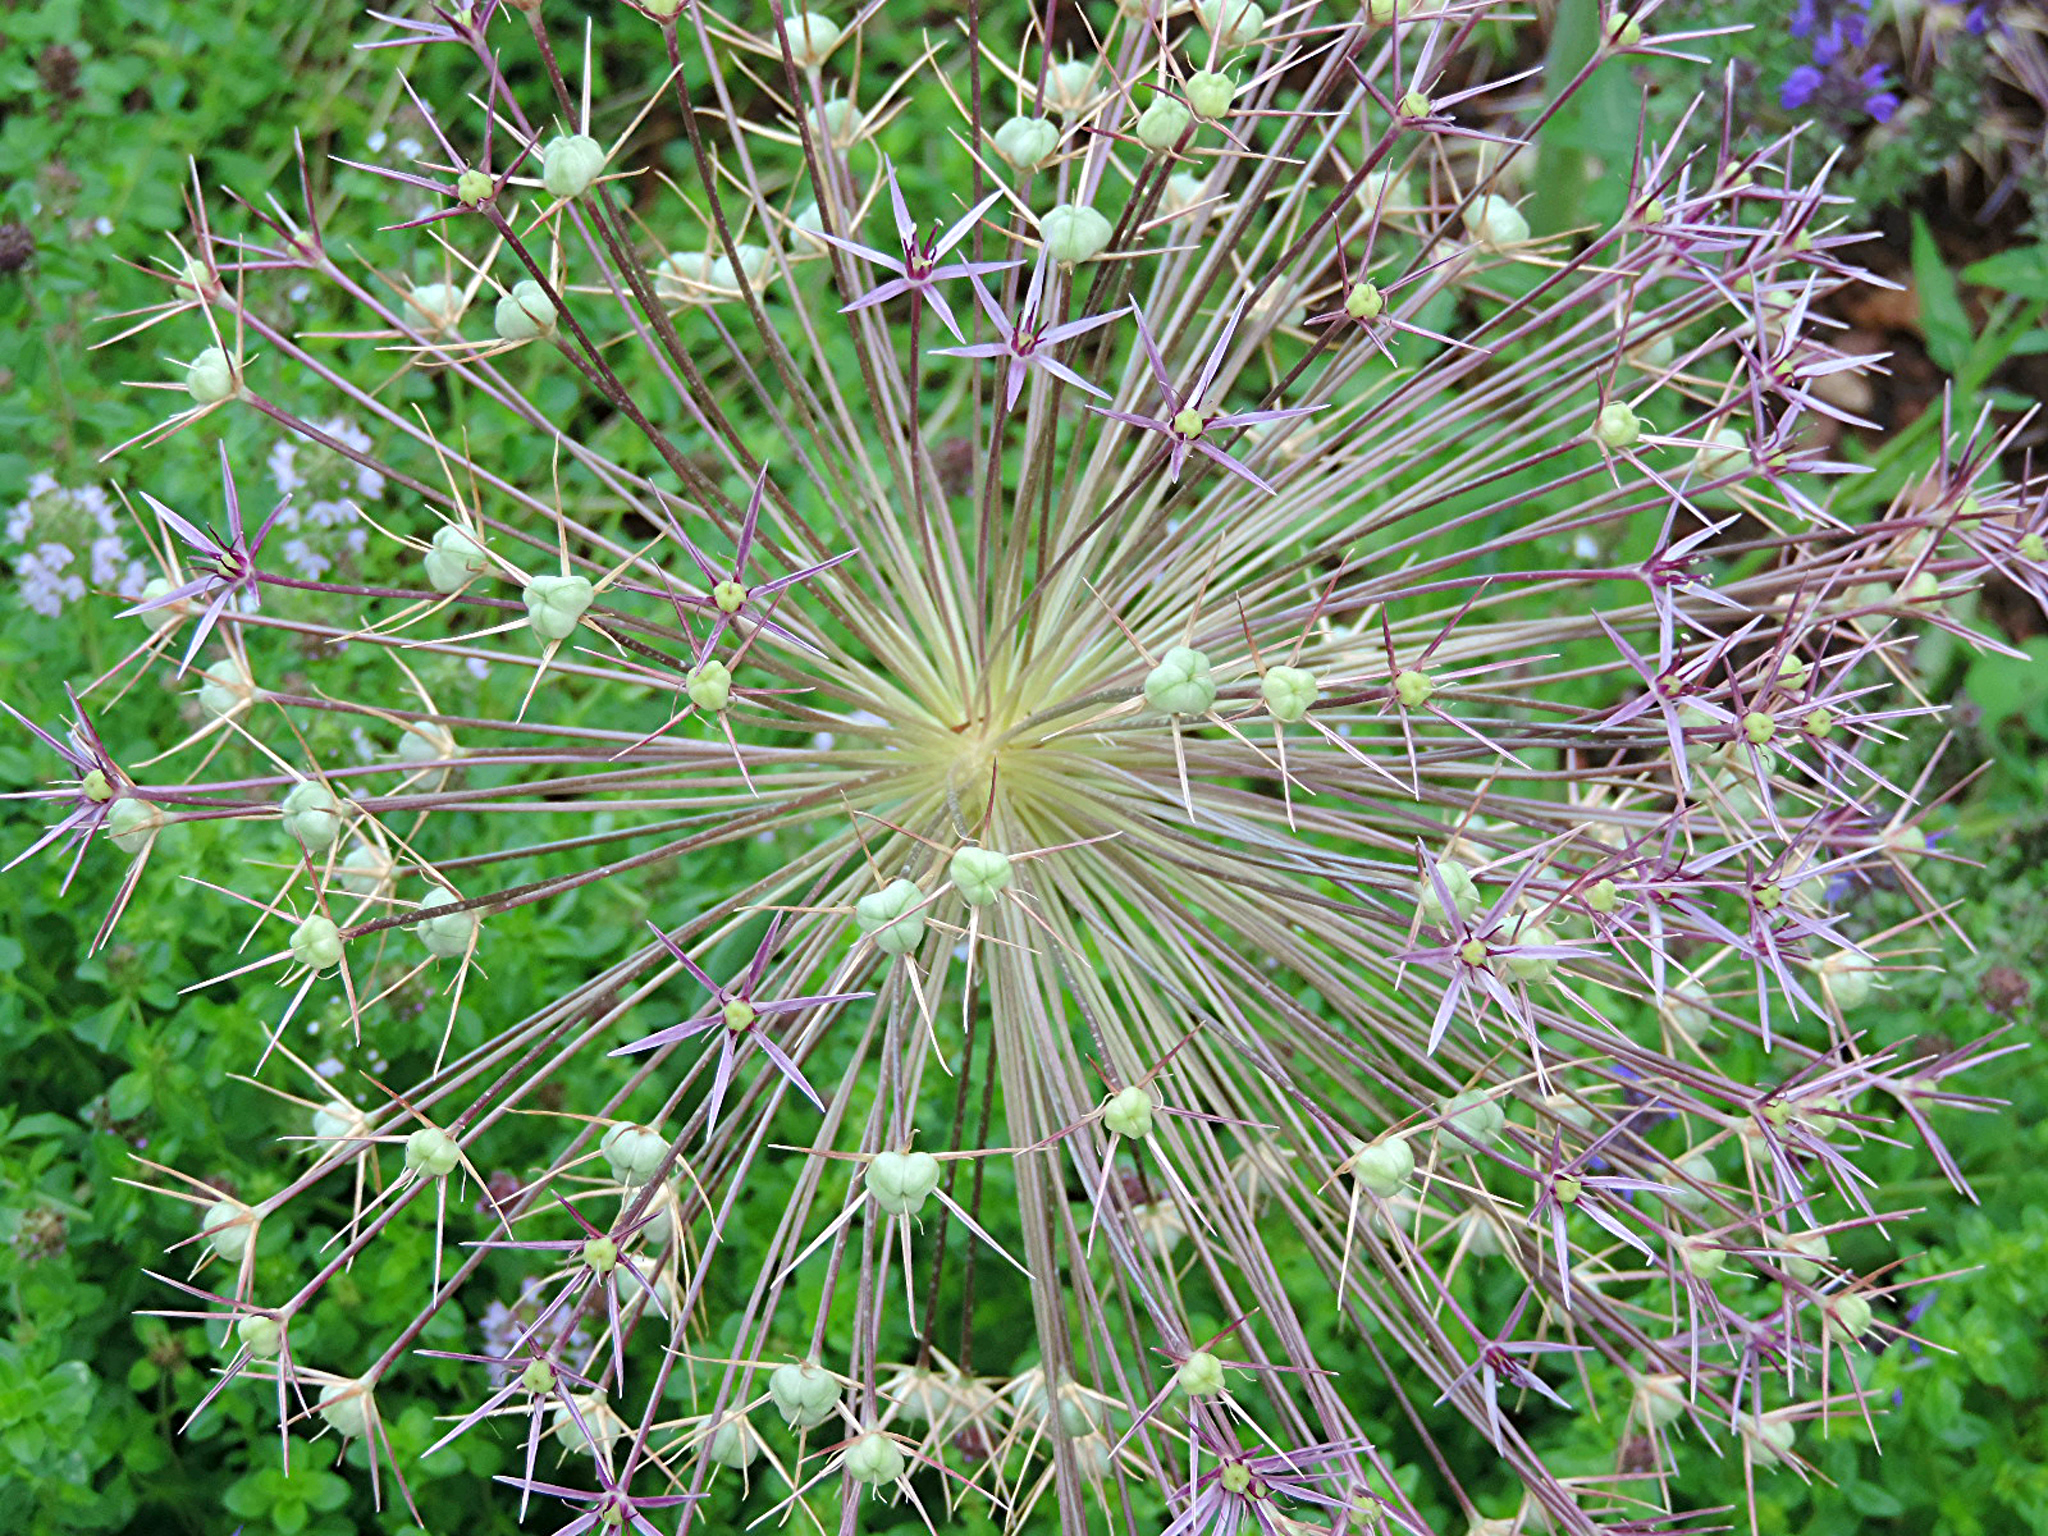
<point>918,271</point>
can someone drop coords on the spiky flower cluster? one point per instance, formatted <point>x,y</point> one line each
<point>1307,732</point>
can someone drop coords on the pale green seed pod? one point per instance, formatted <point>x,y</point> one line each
<point>316,944</point>
<point>366,871</point>
<point>1414,688</point>
<point>1233,23</point>
<point>1623,32</point>
<point>433,1152</point>
<point>1385,1166</point>
<point>709,686</point>
<point>1070,86</point>
<point>840,121</point>
<point>1687,1008</point>
<point>570,163</point>
<point>1848,1316</point>
<point>633,1152</point>
<point>474,187</point>
<point>1493,221</point>
<point>747,275</point>
<point>1700,1169</point>
<point>1364,301</point>
<point>229,1225</point>
<point>447,935</point>
<point>210,377</point>
<point>1129,1113</point>
<point>1289,692</point>
<point>312,815</point>
<point>555,605</point>
<point>1770,1438</point>
<point>1471,1116</point>
<point>1533,968</point>
<point>734,1443</point>
<point>1457,880</point>
<point>1074,233</point>
<point>348,1409</point>
<point>524,313</point>
<point>436,308</point>
<point>131,823</point>
<point>600,1424</point>
<point>539,1378</point>
<point>1210,92</point>
<point>1027,142</point>
<point>680,274</point>
<point>1846,977</point>
<point>261,1336</point>
<point>805,1393</point>
<point>875,1459</point>
<point>809,37</point>
<point>1200,1375</point>
<point>1701,1261</point>
<point>980,875</point>
<point>161,619</point>
<point>454,559</point>
<point>1617,426</point>
<point>1661,1398</point>
<point>1802,1255</point>
<point>339,1120</point>
<point>1183,190</point>
<point>1161,124</point>
<point>1181,684</point>
<point>809,225</point>
<point>892,917</point>
<point>901,1182</point>
<point>1722,454</point>
<point>1386,193</point>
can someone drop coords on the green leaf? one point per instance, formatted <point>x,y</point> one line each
<point>2022,271</point>
<point>1942,318</point>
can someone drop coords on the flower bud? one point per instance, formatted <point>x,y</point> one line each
<point>980,875</point>
<point>524,313</point>
<point>316,944</point>
<point>809,37</point>
<point>1027,142</point>
<point>1364,301</point>
<point>1623,32</point>
<point>448,935</point>
<point>131,823</point>
<point>210,377</point>
<point>539,1378</point>
<point>1129,1113</point>
<point>474,187</point>
<point>1181,684</point>
<point>1233,23</point>
<point>901,1182</point>
<point>1074,233</point>
<point>1413,688</point>
<point>634,1153</point>
<point>709,686</point>
<point>555,605</point>
<point>892,917</point>
<point>570,163</point>
<point>454,559</point>
<point>1415,106</point>
<point>1161,125</point>
<point>433,1152</point>
<point>312,815</point>
<point>805,1392</point>
<point>1617,426</point>
<point>1210,92</point>
<point>228,1225</point>
<point>1603,896</point>
<point>1385,1166</point>
<point>1200,1375</point>
<point>1494,221</point>
<point>1289,692</point>
<point>875,1459</point>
